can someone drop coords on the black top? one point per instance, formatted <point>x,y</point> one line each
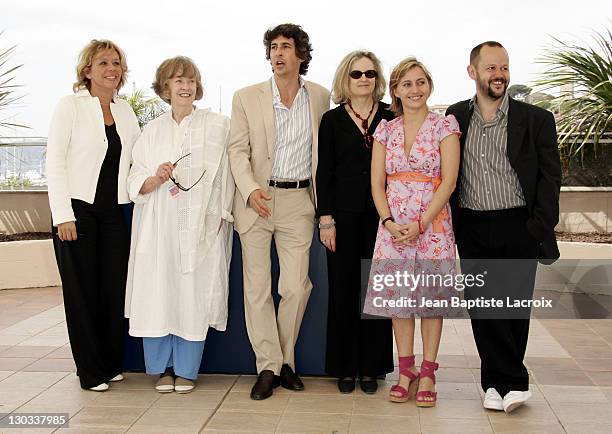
<point>106,190</point>
<point>343,170</point>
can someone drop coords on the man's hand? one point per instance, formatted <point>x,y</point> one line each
<point>67,231</point>
<point>257,201</point>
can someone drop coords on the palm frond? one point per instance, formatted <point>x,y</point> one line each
<point>7,88</point>
<point>584,106</point>
<point>146,108</point>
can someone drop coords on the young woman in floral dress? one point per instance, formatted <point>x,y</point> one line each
<point>415,163</point>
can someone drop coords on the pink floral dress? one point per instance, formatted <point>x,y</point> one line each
<point>434,251</point>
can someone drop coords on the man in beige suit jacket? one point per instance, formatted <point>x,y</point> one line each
<point>273,157</point>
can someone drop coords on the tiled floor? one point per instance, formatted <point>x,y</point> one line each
<point>570,363</point>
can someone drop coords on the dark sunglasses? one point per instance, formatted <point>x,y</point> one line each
<point>370,73</point>
<point>178,184</point>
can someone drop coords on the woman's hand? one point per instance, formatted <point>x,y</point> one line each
<point>395,229</point>
<point>328,236</point>
<point>221,222</point>
<point>161,175</point>
<point>411,233</point>
<point>67,231</point>
<point>164,171</point>
<point>402,233</point>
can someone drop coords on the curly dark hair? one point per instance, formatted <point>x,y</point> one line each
<point>299,36</point>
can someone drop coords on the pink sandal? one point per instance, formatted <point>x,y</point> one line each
<point>427,398</point>
<point>405,363</point>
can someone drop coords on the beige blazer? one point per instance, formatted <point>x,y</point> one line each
<point>252,139</point>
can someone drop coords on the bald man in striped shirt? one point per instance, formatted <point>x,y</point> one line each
<point>505,209</point>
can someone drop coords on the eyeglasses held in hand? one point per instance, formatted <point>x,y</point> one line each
<point>370,73</point>
<point>178,184</point>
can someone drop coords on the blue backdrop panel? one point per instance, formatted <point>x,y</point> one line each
<point>230,352</point>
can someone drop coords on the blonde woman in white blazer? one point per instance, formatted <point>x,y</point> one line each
<point>88,160</point>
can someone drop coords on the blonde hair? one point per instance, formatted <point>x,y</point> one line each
<point>340,87</point>
<point>86,58</point>
<point>169,68</point>
<point>398,72</point>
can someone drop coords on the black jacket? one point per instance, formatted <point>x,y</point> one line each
<point>533,153</point>
<point>343,170</point>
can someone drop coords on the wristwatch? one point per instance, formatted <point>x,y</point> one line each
<point>327,225</point>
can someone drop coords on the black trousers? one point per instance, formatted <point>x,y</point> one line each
<point>498,242</point>
<point>355,346</point>
<point>93,270</point>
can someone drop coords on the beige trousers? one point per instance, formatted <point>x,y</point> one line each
<point>273,336</point>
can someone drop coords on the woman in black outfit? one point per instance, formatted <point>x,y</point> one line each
<point>88,159</point>
<point>348,221</point>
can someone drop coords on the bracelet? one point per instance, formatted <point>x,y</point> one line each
<point>421,227</point>
<point>327,225</point>
<point>387,219</point>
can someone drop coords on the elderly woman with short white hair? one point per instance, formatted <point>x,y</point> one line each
<point>181,235</point>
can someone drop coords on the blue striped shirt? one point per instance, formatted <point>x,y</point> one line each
<point>293,147</point>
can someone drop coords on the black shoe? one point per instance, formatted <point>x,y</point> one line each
<point>289,379</point>
<point>263,386</point>
<point>369,385</point>
<point>346,384</point>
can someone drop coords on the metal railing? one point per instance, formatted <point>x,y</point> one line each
<point>22,163</point>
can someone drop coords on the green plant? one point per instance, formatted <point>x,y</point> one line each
<point>145,108</point>
<point>7,87</point>
<point>519,91</point>
<point>15,182</point>
<point>584,106</point>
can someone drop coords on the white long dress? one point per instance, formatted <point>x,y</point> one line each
<point>181,243</point>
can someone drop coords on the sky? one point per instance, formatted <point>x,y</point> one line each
<point>224,38</point>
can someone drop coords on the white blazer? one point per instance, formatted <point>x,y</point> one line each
<point>76,148</point>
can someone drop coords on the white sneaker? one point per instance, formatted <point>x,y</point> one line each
<point>117,377</point>
<point>492,400</point>
<point>100,387</point>
<point>514,399</point>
